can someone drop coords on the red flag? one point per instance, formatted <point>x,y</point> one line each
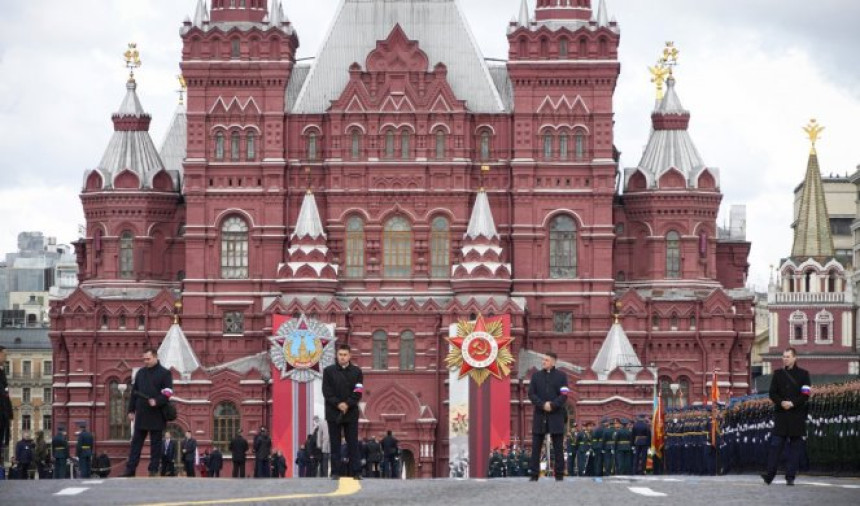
<point>715,402</point>
<point>657,420</point>
<point>715,390</point>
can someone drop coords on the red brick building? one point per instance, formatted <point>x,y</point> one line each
<point>402,233</point>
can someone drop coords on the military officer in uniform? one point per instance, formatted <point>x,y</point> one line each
<point>570,450</point>
<point>84,450</point>
<point>584,452</point>
<point>790,389</point>
<point>60,448</point>
<point>624,450</point>
<point>641,443</point>
<point>548,394</point>
<point>597,447</point>
<point>609,438</point>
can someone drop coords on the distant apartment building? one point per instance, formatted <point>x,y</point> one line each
<point>29,368</point>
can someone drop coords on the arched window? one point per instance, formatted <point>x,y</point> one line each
<point>547,146</point>
<point>407,351</point>
<point>579,144</point>
<point>405,150</point>
<point>225,424</point>
<point>604,48</point>
<point>397,244</point>
<point>234,248</point>
<point>251,146</point>
<point>440,248</point>
<point>524,47</point>
<point>355,149</point>
<point>563,140</point>
<point>583,47</point>
<point>234,146</point>
<point>562,48</point>
<point>562,248</point>
<point>126,255</point>
<point>235,49</point>
<point>673,322</point>
<point>544,48</point>
<point>655,321</point>
<point>485,145</point>
<point>824,327</point>
<point>380,351</point>
<point>122,321</point>
<point>219,146</point>
<point>355,247</point>
<point>440,144</point>
<point>119,426</point>
<point>312,146</point>
<point>673,255</point>
<point>389,144</point>
<point>831,282</point>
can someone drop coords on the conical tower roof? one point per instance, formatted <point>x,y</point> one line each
<point>176,352</point>
<point>812,235</point>
<point>616,352</point>
<point>309,224</point>
<point>481,224</point>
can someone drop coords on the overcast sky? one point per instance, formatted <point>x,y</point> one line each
<point>752,73</point>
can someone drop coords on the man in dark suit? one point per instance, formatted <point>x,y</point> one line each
<point>189,454</point>
<point>548,393</point>
<point>262,454</point>
<point>343,385</point>
<point>238,454</point>
<point>84,450</point>
<point>168,457</point>
<point>790,389</point>
<point>153,385</point>
<point>5,408</point>
<point>390,450</point>
<point>216,463</point>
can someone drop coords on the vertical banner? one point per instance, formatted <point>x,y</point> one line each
<point>300,349</point>
<point>480,356</point>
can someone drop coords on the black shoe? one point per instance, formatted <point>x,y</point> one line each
<point>127,474</point>
<point>789,482</point>
<point>559,478</point>
<point>767,479</point>
<point>533,478</point>
<point>335,477</point>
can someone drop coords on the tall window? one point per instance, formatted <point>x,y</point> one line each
<point>27,369</point>
<point>389,144</point>
<point>235,48</point>
<point>355,247</point>
<point>440,247</point>
<point>673,255</point>
<point>405,150</point>
<point>47,395</point>
<point>547,146</point>
<point>544,48</point>
<point>562,248</point>
<point>47,424</point>
<point>824,327</point>
<point>440,144</point>
<point>251,146</point>
<point>355,150</point>
<point>234,249</point>
<point>380,350</point>
<point>579,144</point>
<point>485,145</point>
<point>583,47</point>
<point>562,145</point>
<point>219,146</point>
<point>119,426</point>
<point>562,322</point>
<point>407,351</point>
<point>126,255</point>
<point>26,422</point>
<point>234,146</point>
<point>562,48</point>
<point>312,146</point>
<point>397,244</point>
<point>26,396</point>
<point>225,423</point>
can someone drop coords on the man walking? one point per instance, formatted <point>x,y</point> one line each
<point>152,387</point>
<point>60,449</point>
<point>323,444</point>
<point>548,394</point>
<point>238,454</point>
<point>189,454</point>
<point>390,449</point>
<point>342,389</point>
<point>84,450</point>
<point>790,389</point>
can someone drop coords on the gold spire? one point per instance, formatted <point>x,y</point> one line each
<point>663,69</point>
<point>617,313</point>
<point>813,130</point>
<point>132,59</point>
<point>177,309</point>
<point>183,88</point>
<point>485,169</point>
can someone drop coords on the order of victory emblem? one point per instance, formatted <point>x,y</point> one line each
<point>301,348</point>
<point>481,349</point>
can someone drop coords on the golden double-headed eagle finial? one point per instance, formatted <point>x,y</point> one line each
<point>132,59</point>
<point>663,69</point>
<point>813,130</point>
<point>183,88</point>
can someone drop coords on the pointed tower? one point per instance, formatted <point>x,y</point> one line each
<point>176,352</point>
<point>481,269</point>
<point>233,11</point>
<point>616,353</point>
<point>812,237</point>
<point>308,269</point>
<point>132,177</point>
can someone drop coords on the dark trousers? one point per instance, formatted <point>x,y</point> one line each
<point>85,464</point>
<point>262,468</point>
<point>61,468</point>
<point>348,431</point>
<point>777,443</point>
<point>189,467</point>
<point>168,467</point>
<point>389,466</point>
<point>537,446</point>
<point>238,469</point>
<point>640,458</point>
<point>23,471</point>
<point>156,448</point>
<point>326,457</point>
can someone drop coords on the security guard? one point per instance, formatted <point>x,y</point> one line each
<point>548,394</point>
<point>84,450</point>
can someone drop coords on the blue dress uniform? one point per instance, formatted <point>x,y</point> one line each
<point>584,452</point>
<point>641,443</point>
<point>623,450</point>
<point>60,448</point>
<point>84,451</point>
<point>597,447</point>
<point>548,386</point>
